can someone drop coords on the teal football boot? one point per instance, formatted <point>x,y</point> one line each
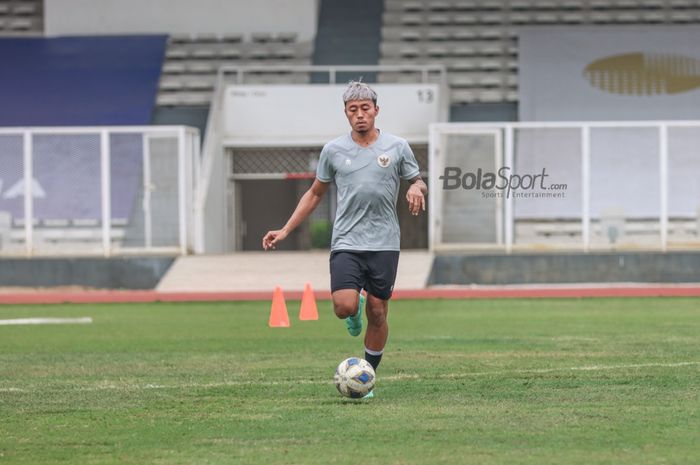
<point>354,322</point>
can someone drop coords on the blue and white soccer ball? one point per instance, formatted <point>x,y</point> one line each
<point>354,377</point>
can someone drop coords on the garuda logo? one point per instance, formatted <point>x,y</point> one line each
<point>383,160</point>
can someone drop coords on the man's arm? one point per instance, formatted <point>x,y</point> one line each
<point>308,203</point>
<point>416,195</point>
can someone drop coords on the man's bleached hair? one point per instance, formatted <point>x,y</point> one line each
<point>358,90</point>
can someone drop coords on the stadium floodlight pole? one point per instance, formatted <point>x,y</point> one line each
<point>663,184</point>
<point>28,195</point>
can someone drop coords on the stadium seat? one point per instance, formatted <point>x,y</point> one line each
<point>437,35</point>
<point>545,18</point>
<point>465,19</point>
<point>439,20</point>
<point>261,37</point>
<point>170,84</point>
<point>177,53</point>
<point>194,59</point>
<point>231,38</point>
<point>174,68</point>
<point>21,24</point>
<point>466,5</point>
<point>204,53</point>
<point>546,4</point>
<point>199,84</point>
<point>230,53</point>
<point>571,5</point>
<point>25,9</point>
<point>410,36</point>
<point>438,5</point>
<point>410,7</point>
<point>573,18</point>
<point>286,37</point>
<point>516,5</point>
<point>653,17</point>
<point>201,68</point>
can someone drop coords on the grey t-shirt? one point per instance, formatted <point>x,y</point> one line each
<point>367,180</point>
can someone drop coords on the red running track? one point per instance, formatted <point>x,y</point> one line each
<point>115,296</point>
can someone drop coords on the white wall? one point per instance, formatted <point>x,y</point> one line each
<point>77,17</point>
<point>552,81</point>
<point>313,114</point>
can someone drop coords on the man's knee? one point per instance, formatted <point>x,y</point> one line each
<point>344,308</point>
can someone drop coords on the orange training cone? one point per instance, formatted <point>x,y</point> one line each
<point>308,310</point>
<point>278,313</point>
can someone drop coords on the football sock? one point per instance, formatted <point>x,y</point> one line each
<point>373,357</point>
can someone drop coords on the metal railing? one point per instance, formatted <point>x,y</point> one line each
<point>571,185</point>
<point>98,190</point>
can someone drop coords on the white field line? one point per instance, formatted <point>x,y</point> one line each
<point>46,321</point>
<point>399,377</point>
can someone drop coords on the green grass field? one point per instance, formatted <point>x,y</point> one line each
<point>559,381</point>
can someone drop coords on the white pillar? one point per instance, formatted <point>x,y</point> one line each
<point>28,195</point>
<point>586,187</point>
<point>105,193</point>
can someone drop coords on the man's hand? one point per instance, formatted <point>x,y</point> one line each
<point>416,199</point>
<point>272,238</point>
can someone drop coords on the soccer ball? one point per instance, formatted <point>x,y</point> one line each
<point>354,377</point>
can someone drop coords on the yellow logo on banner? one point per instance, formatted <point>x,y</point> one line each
<point>644,74</point>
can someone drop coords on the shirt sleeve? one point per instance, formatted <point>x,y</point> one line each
<point>409,166</point>
<point>324,169</point>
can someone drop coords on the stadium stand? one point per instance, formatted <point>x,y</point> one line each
<point>477,39</point>
<point>192,61</point>
<point>21,17</point>
<point>349,33</point>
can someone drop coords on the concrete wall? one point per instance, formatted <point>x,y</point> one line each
<point>105,273</point>
<point>96,17</point>
<point>639,267</point>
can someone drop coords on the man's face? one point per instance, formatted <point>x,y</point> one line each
<point>361,114</point>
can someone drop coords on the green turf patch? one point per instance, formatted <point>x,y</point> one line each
<point>555,381</point>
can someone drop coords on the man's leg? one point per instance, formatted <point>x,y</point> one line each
<point>347,279</point>
<point>377,329</point>
<point>380,285</point>
<point>348,304</point>
<point>345,302</point>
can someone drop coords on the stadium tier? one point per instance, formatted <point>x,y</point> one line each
<point>192,61</point>
<point>21,17</point>
<point>477,40</point>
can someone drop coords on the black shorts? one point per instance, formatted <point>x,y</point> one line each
<point>374,271</point>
